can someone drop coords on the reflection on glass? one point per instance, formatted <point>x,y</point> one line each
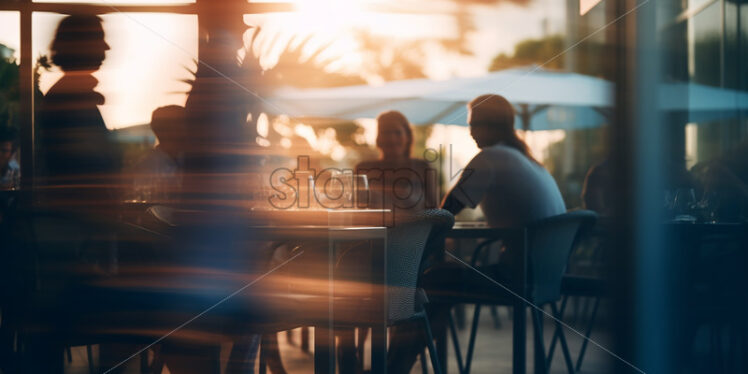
<point>705,46</point>
<point>152,55</point>
<point>120,2</point>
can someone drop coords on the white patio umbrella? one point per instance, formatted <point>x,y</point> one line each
<point>703,103</point>
<point>567,100</point>
<point>543,99</point>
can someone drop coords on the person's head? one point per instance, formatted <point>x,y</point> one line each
<point>167,123</point>
<point>79,43</point>
<point>8,144</point>
<point>491,120</point>
<point>394,135</point>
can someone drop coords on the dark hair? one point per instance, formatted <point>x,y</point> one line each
<point>501,119</point>
<point>9,134</point>
<point>79,28</point>
<point>399,118</point>
<point>167,121</point>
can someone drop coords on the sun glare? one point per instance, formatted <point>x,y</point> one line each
<point>329,14</point>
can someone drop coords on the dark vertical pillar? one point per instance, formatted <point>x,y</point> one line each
<point>644,296</point>
<point>26,90</point>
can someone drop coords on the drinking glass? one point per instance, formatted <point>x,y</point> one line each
<point>710,205</point>
<point>684,204</point>
<point>361,183</point>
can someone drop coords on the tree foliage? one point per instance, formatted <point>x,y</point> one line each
<point>9,94</point>
<point>532,51</point>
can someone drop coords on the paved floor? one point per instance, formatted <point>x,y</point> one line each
<point>492,352</point>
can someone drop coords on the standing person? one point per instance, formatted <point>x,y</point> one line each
<point>512,188</point>
<point>396,180</point>
<point>80,162</point>
<point>79,157</point>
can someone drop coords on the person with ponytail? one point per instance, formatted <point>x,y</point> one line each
<point>512,188</point>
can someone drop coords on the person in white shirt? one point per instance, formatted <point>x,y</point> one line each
<point>511,187</point>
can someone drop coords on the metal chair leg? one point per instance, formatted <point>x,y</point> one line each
<point>289,337</point>
<point>89,356</point>
<point>305,339</point>
<point>456,344</point>
<point>347,350</point>
<point>430,344</point>
<point>144,368</point>
<point>363,332</point>
<point>471,342</point>
<point>496,317</point>
<point>554,340</point>
<point>519,338</point>
<point>564,346</point>
<point>424,365</point>
<point>263,368</point>
<point>442,343</point>
<point>587,333</point>
<point>539,348</point>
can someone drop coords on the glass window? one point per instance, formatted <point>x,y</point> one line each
<point>705,46</point>
<point>150,56</point>
<point>119,2</point>
<point>743,46</point>
<point>9,58</point>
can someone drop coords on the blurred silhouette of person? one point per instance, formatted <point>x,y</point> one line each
<point>10,172</point>
<point>396,180</point>
<point>596,190</point>
<point>512,188</point>
<point>160,170</point>
<point>76,149</point>
<point>80,161</point>
<point>724,182</point>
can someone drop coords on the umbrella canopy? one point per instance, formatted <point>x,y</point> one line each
<point>551,99</point>
<point>703,103</point>
<point>544,100</point>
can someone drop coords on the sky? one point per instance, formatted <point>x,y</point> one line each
<point>151,53</point>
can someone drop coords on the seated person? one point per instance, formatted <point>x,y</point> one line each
<point>397,181</point>
<point>10,172</point>
<point>596,191</point>
<point>158,175</point>
<point>725,185</point>
<point>512,188</point>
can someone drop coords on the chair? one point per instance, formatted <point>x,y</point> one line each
<point>548,244</point>
<point>402,302</point>
<point>49,254</point>
<point>58,305</point>
<point>585,281</point>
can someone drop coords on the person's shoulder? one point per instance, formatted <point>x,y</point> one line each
<point>501,150</point>
<point>369,164</point>
<point>419,163</point>
<point>494,152</point>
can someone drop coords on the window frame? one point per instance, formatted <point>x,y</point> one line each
<point>26,8</point>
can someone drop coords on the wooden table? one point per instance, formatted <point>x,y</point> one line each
<point>316,226</point>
